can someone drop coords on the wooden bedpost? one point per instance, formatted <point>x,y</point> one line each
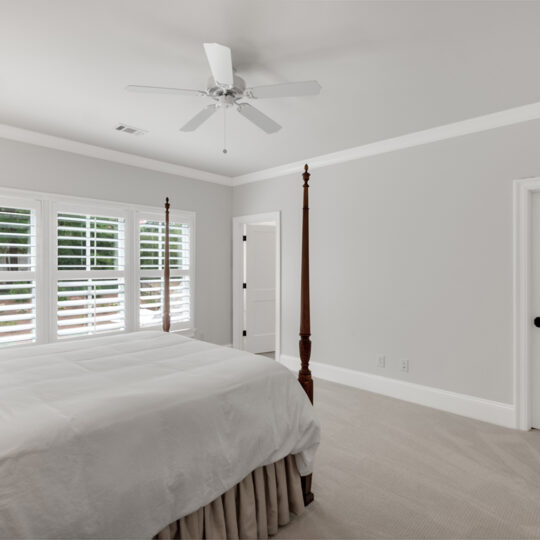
<point>304,375</point>
<point>166,274</point>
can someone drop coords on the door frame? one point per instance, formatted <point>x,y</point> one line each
<point>237,275</point>
<point>524,190</point>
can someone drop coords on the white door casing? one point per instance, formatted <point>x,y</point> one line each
<point>535,311</point>
<point>525,274</point>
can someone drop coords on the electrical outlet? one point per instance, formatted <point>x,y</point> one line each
<point>405,366</point>
<point>381,361</point>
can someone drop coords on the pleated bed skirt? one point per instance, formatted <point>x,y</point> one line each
<point>255,508</point>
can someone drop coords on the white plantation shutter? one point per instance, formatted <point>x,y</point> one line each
<point>17,275</point>
<point>151,261</point>
<point>90,242</point>
<point>90,270</point>
<point>90,306</point>
<point>152,245</point>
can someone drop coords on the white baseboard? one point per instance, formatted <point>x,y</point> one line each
<point>494,412</point>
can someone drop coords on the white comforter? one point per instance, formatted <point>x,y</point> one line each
<point>116,437</point>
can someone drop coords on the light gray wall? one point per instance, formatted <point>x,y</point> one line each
<point>411,257</point>
<point>25,166</point>
<point>411,250</point>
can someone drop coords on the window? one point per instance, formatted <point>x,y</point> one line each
<point>88,247</point>
<point>151,261</point>
<point>71,268</point>
<point>17,275</point>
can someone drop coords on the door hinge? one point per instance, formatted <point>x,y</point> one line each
<point>244,285</point>
<point>244,238</point>
<point>244,333</point>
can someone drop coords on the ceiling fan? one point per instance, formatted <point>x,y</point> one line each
<point>226,89</point>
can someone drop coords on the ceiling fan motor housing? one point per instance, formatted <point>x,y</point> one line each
<point>224,95</point>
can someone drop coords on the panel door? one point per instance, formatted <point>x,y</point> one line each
<point>260,291</point>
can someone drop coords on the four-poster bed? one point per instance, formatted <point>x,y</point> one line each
<point>152,434</point>
<point>304,375</point>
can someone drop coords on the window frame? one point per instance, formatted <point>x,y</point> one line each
<point>46,207</point>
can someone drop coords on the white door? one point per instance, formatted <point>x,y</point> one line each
<point>535,306</point>
<point>260,288</point>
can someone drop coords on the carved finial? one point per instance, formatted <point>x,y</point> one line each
<point>306,175</point>
<point>167,205</point>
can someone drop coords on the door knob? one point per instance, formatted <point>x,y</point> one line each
<point>537,322</point>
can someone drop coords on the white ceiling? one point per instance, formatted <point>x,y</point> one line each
<point>386,68</point>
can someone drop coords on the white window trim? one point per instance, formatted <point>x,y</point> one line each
<point>46,205</point>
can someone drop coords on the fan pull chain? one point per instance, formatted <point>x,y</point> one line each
<point>224,130</point>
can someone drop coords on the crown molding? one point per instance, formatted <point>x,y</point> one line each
<point>470,126</point>
<point>478,124</point>
<point>75,147</point>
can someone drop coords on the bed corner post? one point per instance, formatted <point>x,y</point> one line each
<point>166,274</point>
<point>304,375</point>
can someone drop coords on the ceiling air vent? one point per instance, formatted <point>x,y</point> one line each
<point>130,129</point>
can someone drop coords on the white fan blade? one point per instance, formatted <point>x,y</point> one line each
<point>294,89</point>
<point>160,90</point>
<point>220,60</point>
<point>199,119</point>
<point>258,118</point>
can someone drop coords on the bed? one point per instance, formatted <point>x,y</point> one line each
<point>153,434</point>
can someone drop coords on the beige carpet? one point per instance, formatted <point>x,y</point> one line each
<point>390,469</point>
